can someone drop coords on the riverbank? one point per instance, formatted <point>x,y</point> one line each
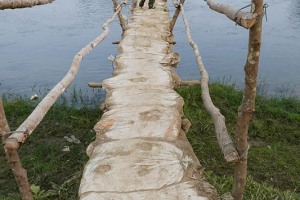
<point>55,163</point>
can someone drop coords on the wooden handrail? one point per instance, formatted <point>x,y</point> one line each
<point>224,140</point>
<point>12,4</point>
<point>33,120</point>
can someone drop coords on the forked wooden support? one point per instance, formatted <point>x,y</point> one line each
<point>247,106</point>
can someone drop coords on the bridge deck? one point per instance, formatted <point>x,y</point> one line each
<point>141,151</point>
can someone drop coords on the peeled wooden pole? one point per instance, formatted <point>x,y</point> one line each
<point>246,109</point>
<point>121,18</point>
<point>189,83</point>
<point>175,16</point>
<point>14,161</point>
<point>224,139</point>
<point>244,19</point>
<point>4,128</point>
<point>181,83</point>
<point>12,4</point>
<point>40,111</point>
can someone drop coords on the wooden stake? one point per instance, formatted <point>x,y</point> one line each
<point>95,85</point>
<point>4,127</point>
<point>121,18</point>
<point>189,83</point>
<point>175,16</point>
<point>13,159</point>
<point>19,172</point>
<point>116,42</point>
<point>246,109</point>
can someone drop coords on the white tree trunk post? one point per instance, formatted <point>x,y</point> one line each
<point>12,4</point>
<point>246,109</point>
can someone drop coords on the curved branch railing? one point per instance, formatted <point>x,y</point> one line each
<point>224,140</point>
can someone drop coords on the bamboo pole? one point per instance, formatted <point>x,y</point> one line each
<point>244,19</point>
<point>40,111</point>
<point>224,139</point>
<point>12,4</point>
<point>14,161</point>
<point>175,16</point>
<point>247,106</point>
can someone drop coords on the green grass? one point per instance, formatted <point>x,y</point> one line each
<point>274,134</point>
<point>55,171</point>
<point>274,158</point>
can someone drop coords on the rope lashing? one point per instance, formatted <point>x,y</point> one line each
<point>245,154</point>
<point>265,10</point>
<point>264,13</point>
<point>225,145</point>
<point>265,6</point>
<point>11,132</point>
<point>241,10</point>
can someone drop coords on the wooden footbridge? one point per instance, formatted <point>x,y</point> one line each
<point>141,150</point>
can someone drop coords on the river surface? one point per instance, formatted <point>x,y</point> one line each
<point>37,45</point>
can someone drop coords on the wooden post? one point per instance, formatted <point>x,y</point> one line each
<point>175,16</point>
<point>121,18</point>
<point>13,159</point>
<point>246,108</point>
<point>4,128</point>
<point>19,172</point>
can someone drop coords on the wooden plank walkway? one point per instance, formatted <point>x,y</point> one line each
<point>141,150</point>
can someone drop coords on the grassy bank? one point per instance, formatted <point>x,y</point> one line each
<point>274,155</point>
<point>55,171</point>
<point>274,158</point>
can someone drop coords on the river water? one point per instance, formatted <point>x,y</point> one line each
<point>37,45</point>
